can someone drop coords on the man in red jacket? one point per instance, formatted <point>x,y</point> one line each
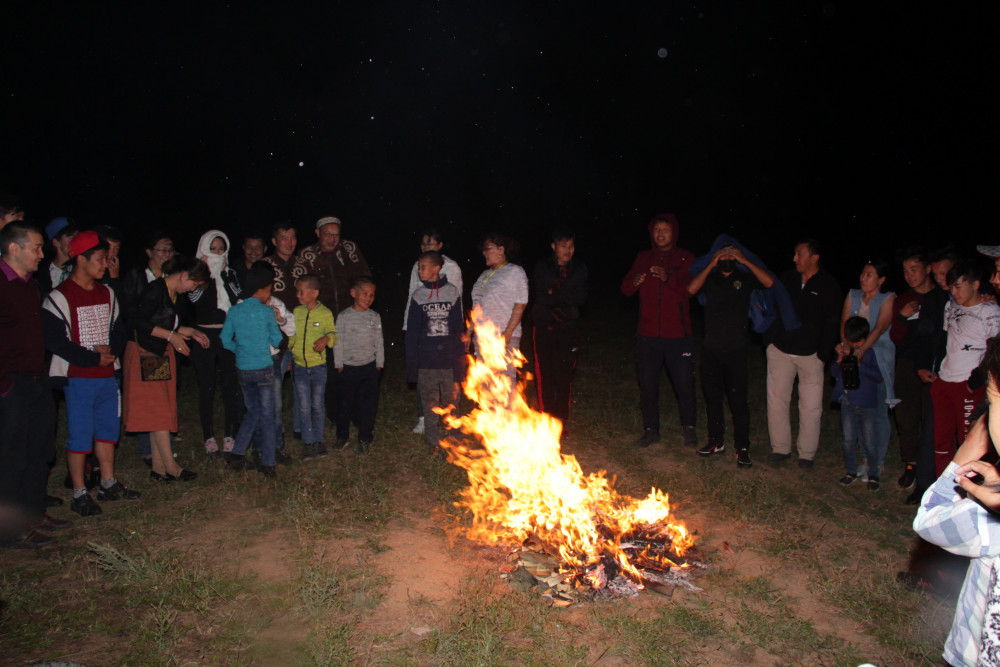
<point>661,276</point>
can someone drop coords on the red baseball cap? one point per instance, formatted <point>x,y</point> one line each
<point>83,242</point>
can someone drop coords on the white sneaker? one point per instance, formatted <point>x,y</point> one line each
<point>419,428</point>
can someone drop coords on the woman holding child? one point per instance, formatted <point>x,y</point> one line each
<point>150,375</point>
<point>502,291</point>
<point>874,303</point>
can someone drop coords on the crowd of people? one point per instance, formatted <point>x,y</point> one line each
<point>71,319</point>
<point>78,330</point>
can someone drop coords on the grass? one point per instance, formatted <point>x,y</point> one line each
<point>304,570</point>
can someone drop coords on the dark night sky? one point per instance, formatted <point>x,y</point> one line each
<point>861,123</point>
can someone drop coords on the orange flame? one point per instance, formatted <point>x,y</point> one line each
<point>521,485</point>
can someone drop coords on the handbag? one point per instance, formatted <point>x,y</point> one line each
<point>153,367</point>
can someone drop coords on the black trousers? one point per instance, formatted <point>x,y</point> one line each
<point>358,391</point>
<point>332,383</point>
<point>677,354</point>
<point>27,445</point>
<point>556,349</point>
<point>724,375</point>
<point>915,399</point>
<point>205,360</point>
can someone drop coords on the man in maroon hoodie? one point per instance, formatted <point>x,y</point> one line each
<point>661,276</point>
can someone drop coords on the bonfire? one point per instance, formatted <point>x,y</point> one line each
<point>523,490</point>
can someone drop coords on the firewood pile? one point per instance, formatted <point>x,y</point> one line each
<point>530,567</point>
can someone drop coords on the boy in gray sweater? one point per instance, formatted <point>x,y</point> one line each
<point>359,356</point>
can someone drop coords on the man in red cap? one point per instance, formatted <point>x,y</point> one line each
<point>85,334</point>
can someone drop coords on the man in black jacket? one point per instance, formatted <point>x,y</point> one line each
<point>802,352</point>
<point>560,289</point>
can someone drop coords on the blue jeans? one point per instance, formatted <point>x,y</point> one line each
<point>258,423</point>
<point>282,363</point>
<point>861,428</point>
<point>310,392</point>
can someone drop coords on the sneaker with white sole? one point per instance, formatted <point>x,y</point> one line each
<point>712,448</point>
<point>419,428</point>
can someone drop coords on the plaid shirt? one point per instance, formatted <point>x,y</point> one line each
<point>963,527</point>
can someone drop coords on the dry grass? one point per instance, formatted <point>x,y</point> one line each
<point>235,569</point>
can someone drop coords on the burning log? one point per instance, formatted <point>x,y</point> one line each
<point>579,532</point>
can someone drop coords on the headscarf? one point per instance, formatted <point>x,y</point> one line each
<point>216,265</point>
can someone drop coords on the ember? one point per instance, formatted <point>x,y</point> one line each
<point>522,489</point>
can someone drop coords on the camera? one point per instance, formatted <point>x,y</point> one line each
<point>850,373</point>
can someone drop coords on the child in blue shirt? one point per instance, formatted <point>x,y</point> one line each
<point>250,330</point>
<point>859,408</point>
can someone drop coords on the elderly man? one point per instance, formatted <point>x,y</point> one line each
<point>337,263</point>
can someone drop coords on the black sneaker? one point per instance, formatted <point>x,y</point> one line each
<point>691,438</point>
<point>873,483</point>
<point>320,450</point>
<point>85,506</point>
<point>775,457</point>
<point>281,457</point>
<point>237,462</point>
<point>915,497</point>
<point>308,451</point>
<point>848,479</point>
<point>711,448</point>
<point>649,437</point>
<point>909,477</point>
<point>117,492</point>
<point>743,458</point>
<point>805,463</point>
<point>340,444</point>
<point>268,471</point>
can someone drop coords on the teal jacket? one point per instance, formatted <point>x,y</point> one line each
<point>249,332</point>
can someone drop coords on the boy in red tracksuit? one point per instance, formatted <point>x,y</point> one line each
<point>661,276</point>
<point>960,384</point>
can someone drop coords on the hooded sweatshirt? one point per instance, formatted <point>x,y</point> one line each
<point>664,307</point>
<point>434,329</point>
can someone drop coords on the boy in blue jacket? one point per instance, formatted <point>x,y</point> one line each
<point>250,330</point>
<point>859,408</point>
<point>435,352</point>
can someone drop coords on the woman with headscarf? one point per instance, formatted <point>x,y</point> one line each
<point>206,310</point>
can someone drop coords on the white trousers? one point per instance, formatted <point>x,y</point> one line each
<point>782,369</point>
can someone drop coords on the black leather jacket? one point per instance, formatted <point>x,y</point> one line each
<point>154,309</point>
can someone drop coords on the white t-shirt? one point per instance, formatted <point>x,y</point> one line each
<point>497,290</point>
<point>968,330</point>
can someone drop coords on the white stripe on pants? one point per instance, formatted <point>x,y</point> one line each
<point>781,372</point>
